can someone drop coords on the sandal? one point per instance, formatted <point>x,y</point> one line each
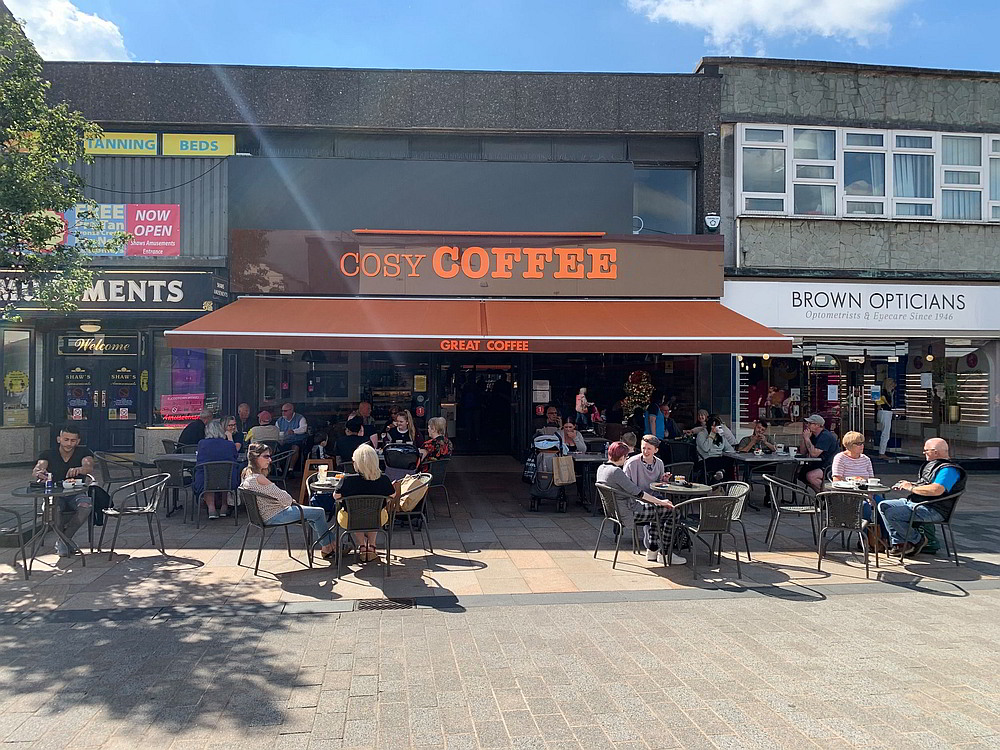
<point>370,553</point>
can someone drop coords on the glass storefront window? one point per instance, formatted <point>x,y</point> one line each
<point>16,378</point>
<point>663,201</point>
<point>185,382</point>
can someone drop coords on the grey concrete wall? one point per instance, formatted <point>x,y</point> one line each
<point>857,245</point>
<point>19,445</point>
<point>859,95</point>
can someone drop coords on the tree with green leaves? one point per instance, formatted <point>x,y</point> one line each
<point>39,144</point>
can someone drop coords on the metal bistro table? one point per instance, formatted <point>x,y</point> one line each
<point>748,461</point>
<point>674,489</point>
<point>587,463</point>
<point>49,519</point>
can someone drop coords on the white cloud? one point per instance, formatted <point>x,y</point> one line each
<point>61,31</point>
<point>732,25</point>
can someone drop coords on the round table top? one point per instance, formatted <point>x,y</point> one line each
<point>769,458</point>
<point>671,488</point>
<point>57,491</point>
<point>330,483</point>
<point>848,486</point>
<point>185,457</point>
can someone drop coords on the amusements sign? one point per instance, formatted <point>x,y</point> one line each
<point>155,227</point>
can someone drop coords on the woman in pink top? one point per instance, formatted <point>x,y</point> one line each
<point>852,463</point>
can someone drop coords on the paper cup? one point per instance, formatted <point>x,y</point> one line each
<point>322,473</point>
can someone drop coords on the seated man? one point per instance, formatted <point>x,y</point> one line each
<point>264,431</point>
<point>939,476</point>
<point>817,442</point>
<point>194,431</point>
<point>345,445</point>
<point>758,439</point>
<point>68,461</point>
<point>294,431</point>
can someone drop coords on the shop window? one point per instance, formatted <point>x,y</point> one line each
<point>663,201</point>
<point>185,382</point>
<point>16,378</point>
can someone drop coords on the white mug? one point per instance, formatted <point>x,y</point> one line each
<point>780,447</point>
<point>791,450</point>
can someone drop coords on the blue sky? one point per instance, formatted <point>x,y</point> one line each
<point>583,35</point>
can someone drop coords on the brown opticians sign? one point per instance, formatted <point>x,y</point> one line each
<point>470,264</point>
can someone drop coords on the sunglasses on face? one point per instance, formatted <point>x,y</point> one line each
<point>266,456</point>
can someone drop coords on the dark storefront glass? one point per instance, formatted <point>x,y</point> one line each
<point>664,201</point>
<point>16,378</point>
<point>185,382</point>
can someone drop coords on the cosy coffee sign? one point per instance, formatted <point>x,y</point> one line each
<point>934,309</point>
<point>445,265</point>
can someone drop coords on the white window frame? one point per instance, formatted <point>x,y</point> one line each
<point>743,196</point>
<point>991,142</point>
<point>889,201</point>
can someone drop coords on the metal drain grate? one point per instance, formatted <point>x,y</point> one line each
<point>367,605</point>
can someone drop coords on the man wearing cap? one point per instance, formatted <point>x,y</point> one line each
<point>345,446</point>
<point>264,430</point>
<point>817,442</point>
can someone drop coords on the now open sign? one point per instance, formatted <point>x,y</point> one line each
<point>155,228</point>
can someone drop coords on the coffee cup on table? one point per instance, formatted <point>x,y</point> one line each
<point>780,447</point>
<point>791,451</point>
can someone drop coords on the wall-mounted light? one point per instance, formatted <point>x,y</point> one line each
<point>90,326</point>
<point>765,357</point>
<point>739,357</point>
<point>929,357</point>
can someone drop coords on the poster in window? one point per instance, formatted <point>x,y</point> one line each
<point>77,384</point>
<point>15,402</point>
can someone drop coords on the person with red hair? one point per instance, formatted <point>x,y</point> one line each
<point>643,508</point>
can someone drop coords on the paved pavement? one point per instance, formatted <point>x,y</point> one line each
<point>512,635</point>
<point>869,670</point>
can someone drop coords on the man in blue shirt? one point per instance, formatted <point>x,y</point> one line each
<point>293,430</point>
<point>818,442</point>
<point>940,476</point>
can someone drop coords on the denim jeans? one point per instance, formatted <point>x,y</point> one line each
<point>72,512</point>
<point>315,517</point>
<point>896,514</point>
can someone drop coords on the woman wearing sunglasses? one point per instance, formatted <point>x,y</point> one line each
<point>276,505</point>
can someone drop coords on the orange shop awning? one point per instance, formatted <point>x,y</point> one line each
<point>424,325</point>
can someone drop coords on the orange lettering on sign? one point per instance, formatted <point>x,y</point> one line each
<point>364,264</point>
<point>537,258</point>
<point>484,262</point>
<point>460,345</point>
<point>391,262</point>
<point>413,261</point>
<point>570,263</point>
<point>603,262</point>
<point>438,262</point>
<point>357,264</point>
<point>506,258</point>
<point>507,346</point>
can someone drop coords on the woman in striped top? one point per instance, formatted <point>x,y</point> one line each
<point>276,505</point>
<point>852,463</point>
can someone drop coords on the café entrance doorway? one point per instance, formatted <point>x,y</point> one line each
<point>480,396</point>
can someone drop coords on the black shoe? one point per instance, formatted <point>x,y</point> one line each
<point>914,549</point>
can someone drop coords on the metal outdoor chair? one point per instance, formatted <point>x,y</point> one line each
<point>345,466</point>
<point>612,513</point>
<point>281,467</point>
<point>169,446</point>
<point>138,498</point>
<point>680,451</point>
<point>438,471</point>
<point>740,491</point>
<point>250,501</point>
<point>181,448</point>
<point>841,512</point>
<point>789,499</point>
<point>113,468</point>
<point>945,505</point>
<point>13,525</point>
<point>217,476</point>
<point>180,481</point>
<point>418,512</point>
<point>714,519</point>
<point>364,515</point>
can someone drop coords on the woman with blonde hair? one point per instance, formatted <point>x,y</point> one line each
<point>368,481</point>
<point>402,429</point>
<point>852,463</point>
<point>276,505</point>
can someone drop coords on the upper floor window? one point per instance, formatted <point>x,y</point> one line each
<point>858,173</point>
<point>663,201</point>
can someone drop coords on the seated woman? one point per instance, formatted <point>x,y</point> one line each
<point>215,447</point>
<point>852,463</point>
<point>700,427</point>
<point>276,505</point>
<point>713,447</point>
<point>437,445</point>
<point>572,438</point>
<point>369,480</point>
<point>646,509</point>
<point>233,433</point>
<point>402,430</point>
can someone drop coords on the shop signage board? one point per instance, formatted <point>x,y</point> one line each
<point>149,291</point>
<point>155,227</point>
<point>98,344</point>
<point>872,308</point>
<point>173,144</point>
<point>516,265</point>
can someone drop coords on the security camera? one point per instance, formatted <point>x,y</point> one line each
<point>712,222</point>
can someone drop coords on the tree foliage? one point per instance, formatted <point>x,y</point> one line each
<point>39,144</point>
